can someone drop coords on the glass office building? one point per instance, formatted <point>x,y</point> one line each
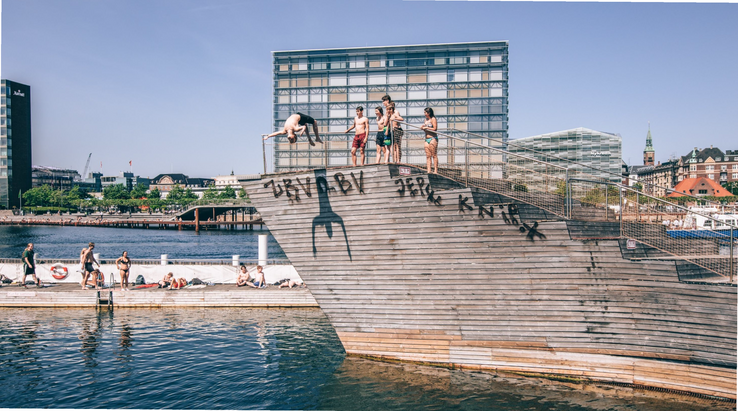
<point>466,84</point>
<point>598,153</point>
<point>15,142</point>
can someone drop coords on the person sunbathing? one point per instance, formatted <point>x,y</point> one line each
<point>244,278</point>
<point>166,281</point>
<point>290,284</point>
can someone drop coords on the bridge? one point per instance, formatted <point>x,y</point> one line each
<point>230,212</point>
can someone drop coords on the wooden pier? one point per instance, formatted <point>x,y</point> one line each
<point>220,295</point>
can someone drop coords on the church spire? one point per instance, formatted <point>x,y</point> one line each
<point>648,152</point>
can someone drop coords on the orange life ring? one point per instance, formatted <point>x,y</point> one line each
<point>59,272</point>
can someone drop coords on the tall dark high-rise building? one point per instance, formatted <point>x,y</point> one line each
<point>15,142</point>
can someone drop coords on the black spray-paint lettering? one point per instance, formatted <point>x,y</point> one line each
<point>343,184</point>
<point>532,231</point>
<point>463,205</point>
<point>288,186</point>
<point>274,188</point>
<point>409,183</point>
<point>483,211</point>
<point>359,184</point>
<point>306,187</point>
<point>400,190</point>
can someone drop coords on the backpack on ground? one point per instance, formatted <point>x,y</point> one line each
<point>140,280</point>
<point>196,281</point>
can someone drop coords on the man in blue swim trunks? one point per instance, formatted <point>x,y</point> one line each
<point>297,123</point>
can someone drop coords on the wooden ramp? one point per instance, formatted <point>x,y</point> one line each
<point>419,268</point>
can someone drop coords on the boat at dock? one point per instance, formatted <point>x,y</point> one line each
<point>498,272</point>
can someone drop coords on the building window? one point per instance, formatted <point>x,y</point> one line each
<point>709,168</point>
<point>692,168</point>
<point>718,159</point>
<point>711,176</point>
<point>723,168</point>
<point>735,166</point>
<point>703,191</point>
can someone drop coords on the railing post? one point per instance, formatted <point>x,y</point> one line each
<point>263,153</point>
<point>638,207</point>
<point>620,191</point>
<point>732,264</point>
<point>607,207</point>
<point>466,160</point>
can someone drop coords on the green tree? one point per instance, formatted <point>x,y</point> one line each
<point>116,192</point>
<point>638,187</point>
<point>242,193</point>
<point>38,196</point>
<point>176,193</point>
<point>732,186</point>
<point>74,195</point>
<point>227,193</point>
<point>189,196</point>
<point>154,194</point>
<point>139,191</point>
<point>210,194</point>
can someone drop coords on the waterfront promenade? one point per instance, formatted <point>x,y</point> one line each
<point>138,220</point>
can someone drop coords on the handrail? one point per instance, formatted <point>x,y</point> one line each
<point>667,190</point>
<point>499,150</point>
<point>627,188</point>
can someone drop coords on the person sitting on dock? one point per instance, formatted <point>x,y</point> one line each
<point>297,123</point>
<point>260,282</point>
<point>244,278</point>
<point>88,257</point>
<point>166,281</point>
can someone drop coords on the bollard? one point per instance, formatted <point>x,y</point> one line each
<point>164,258</point>
<point>262,249</point>
<point>236,260</point>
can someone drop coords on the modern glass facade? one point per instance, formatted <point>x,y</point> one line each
<point>466,84</point>
<point>595,150</point>
<point>15,142</point>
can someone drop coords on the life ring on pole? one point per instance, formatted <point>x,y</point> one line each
<point>59,272</point>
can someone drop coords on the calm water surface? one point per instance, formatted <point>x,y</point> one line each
<point>252,359</point>
<point>237,358</point>
<point>66,242</point>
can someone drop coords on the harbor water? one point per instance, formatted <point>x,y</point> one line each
<point>240,358</point>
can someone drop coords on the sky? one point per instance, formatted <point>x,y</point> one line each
<point>186,86</point>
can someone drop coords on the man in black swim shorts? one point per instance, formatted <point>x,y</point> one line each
<point>88,257</point>
<point>297,123</point>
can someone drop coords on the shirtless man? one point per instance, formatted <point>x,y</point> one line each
<point>361,124</point>
<point>296,123</point>
<point>87,259</point>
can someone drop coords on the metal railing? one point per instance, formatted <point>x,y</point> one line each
<point>563,191</point>
<point>655,222</point>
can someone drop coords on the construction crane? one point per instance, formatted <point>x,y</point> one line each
<point>87,165</point>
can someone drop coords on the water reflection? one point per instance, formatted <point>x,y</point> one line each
<point>365,384</point>
<point>250,359</point>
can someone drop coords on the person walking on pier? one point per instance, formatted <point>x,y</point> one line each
<point>29,265</point>
<point>88,257</point>
<point>123,263</point>
<point>431,139</point>
<point>297,123</point>
<point>361,124</point>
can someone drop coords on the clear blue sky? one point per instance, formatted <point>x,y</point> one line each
<point>185,86</point>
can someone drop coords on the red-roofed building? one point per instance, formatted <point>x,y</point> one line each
<point>699,187</point>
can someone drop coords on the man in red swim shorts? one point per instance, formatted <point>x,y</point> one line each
<point>361,124</point>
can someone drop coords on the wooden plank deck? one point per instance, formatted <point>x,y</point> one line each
<point>409,271</point>
<point>70,295</point>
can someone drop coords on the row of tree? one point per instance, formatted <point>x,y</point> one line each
<point>118,195</point>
